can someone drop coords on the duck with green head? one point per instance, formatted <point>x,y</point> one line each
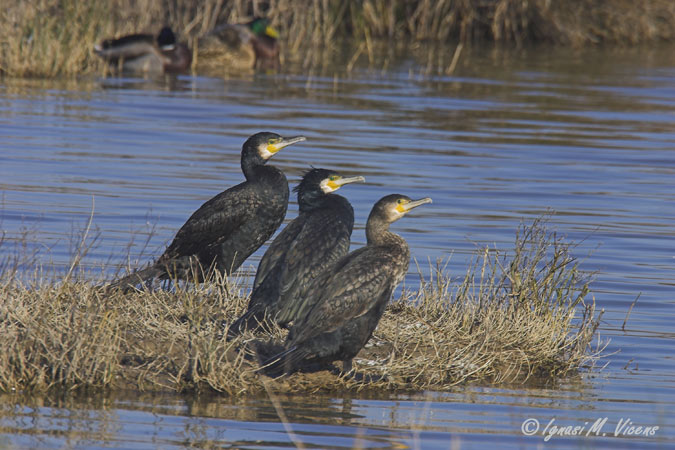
<point>238,48</point>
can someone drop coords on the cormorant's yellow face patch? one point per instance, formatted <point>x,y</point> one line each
<point>332,182</point>
<point>405,205</point>
<point>273,145</point>
<point>268,148</point>
<point>335,182</point>
<point>400,205</point>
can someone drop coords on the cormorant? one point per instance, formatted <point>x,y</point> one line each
<point>225,230</point>
<point>238,47</point>
<point>344,304</point>
<point>311,243</point>
<point>146,53</point>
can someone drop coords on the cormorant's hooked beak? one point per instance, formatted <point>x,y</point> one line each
<point>284,142</point>
<point>336,184</point>
<point>404,208</point>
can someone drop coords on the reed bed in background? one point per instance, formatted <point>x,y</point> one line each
<point>45,38</point>
<point>511,318</point>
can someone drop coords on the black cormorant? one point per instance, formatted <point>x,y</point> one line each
<point>345,303</point>
<point>311,243</point>
<point>146,53</point>
<point>225,230</point>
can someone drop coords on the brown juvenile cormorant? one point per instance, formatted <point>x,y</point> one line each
<point>225,230</point>
<point>146,53</point>
<point>311,243</point>
<point>345,303</point>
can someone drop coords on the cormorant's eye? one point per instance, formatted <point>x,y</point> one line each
<point>333,177</point>
<point>272,141</point>
<point>400,201</point>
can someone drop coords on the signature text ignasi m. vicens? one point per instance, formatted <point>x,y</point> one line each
<point>624,427</point>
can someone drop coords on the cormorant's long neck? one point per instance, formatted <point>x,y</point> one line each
<point>249,164</point>
<point>309,200</point>
<point>377,233</point>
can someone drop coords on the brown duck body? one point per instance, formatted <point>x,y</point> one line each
<point>237,48</point>
<point>145,53</point>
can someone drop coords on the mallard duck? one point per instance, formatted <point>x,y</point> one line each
<point>238,47</point>
<point>145,53</point>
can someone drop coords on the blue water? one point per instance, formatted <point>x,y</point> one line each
<point>587,135</point>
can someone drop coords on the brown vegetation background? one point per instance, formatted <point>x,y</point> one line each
<point>55,37</point>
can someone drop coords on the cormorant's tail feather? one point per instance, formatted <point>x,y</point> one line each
<point>129,282</point>
<point>247,321</point>
<point>285,362</point>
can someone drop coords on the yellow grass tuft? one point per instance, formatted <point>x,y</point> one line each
<point>45,38</point>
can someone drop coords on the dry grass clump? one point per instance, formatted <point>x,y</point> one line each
<point>509,319</point>
<point>45,38</point>
<point>512,318</point>
<point>574,22</point>
<point>73,335</point>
